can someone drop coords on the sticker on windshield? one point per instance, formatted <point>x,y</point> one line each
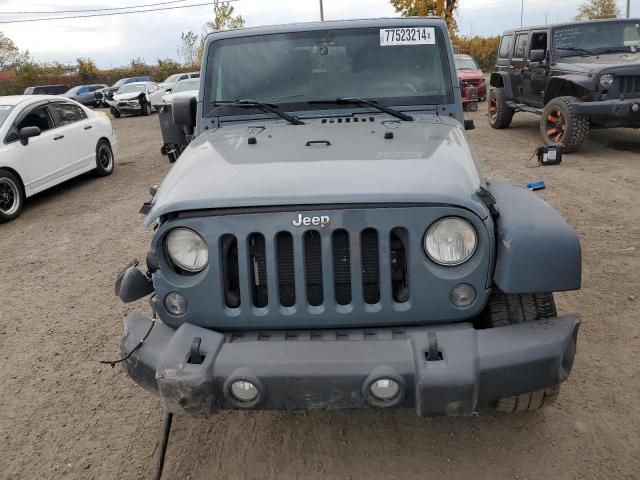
<point>407,36</point>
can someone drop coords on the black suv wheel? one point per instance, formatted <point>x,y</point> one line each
<point>506,310</point>
<point>500,114</point>
<point>560,124</point>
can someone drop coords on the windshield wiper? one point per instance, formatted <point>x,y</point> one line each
<point>267,107</point>
<point>617,50</point>
<point>576,49</point>
<point>371,103</point>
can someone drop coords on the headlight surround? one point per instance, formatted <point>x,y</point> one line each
<point>450,241</point>
<point>187,250</point>
<point>606,80</point>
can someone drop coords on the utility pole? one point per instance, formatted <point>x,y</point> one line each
<point>321,12</point>
<point>628,8</point>
<point>521,13</point>
<point>546,19</point>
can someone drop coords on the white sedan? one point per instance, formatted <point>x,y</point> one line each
<point>47,140</point>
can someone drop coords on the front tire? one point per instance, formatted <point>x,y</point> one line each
<point>500,114</point>
<point>115,112</point>
<point>503,310</point>
<point>11,196</point>
<point>105,161</point>
<point>561,125</point>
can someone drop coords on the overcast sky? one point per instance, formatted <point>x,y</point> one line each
<point>113,41</point>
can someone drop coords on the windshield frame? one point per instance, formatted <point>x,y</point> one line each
<point>466,59</point>
<point>195,81</point>
<point>137,85</point>
<point>398,102</point>
<point>556,51</point>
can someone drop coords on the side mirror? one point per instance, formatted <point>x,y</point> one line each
<point>184,112</point>
<point>28,132</point>
<point>537,56</point>
<point>469,125</point>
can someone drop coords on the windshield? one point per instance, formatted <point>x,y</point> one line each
<point>595,38</point>
<point>119,83</point>
<point>72,91</point>
<point>131,87</point>
<point>186,85</point>
<point>293,68</point>
<point>465,63</point>
<point>172,78</point>
<point>5,110</point>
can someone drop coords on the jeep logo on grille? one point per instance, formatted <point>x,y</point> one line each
<point>321,221</point>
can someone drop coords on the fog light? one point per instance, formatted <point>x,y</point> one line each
<point>385,389</point>
<point>175,303</point>
<point>244,391</point>
<point>463,295</point>
<point>635,107</point>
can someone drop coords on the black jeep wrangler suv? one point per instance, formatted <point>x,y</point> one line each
<point>576,76</point>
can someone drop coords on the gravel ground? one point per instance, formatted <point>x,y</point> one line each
<point>62,415</point>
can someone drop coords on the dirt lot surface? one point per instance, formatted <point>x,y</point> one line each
<point>62,415</point>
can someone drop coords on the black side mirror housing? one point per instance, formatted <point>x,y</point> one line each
<point>184,112</point>
<point>28,132</point>
<point>537,56</point>
<point>469,124</point>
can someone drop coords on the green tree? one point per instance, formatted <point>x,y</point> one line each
<point>10,55</point>
<point>87,70</point>
<point>167,67</point>
<point>188,48</point>
<point>441,8</point>
<point>595,9</point>
<point>223,18</point>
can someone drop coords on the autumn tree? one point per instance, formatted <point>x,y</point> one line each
<point>188,48</point>
<point>224,18</point>
<point>87,70</point>
<point>595,9</point>
<point>441,8</point>
<point>10,55</point>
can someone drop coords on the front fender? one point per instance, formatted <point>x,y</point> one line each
<point>537,250</point>
<point>501,80</point>
<point>569,84</point>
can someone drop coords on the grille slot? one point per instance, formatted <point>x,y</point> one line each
<point>258,258</point>
<point>230,273</point>
<point>630,85</point>
<point>313,267</point>
<point>341,267</point>
<point>370,258</point>
<point>286,270</point>
<point>398,242</point>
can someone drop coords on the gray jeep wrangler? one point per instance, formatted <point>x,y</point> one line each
<point>576,76</point>
<point>327,239</point>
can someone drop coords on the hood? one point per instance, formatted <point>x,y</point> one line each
<point>126,96</point>
<point>597,63</point>
<point>169,97</point>
<point>427,161</point>
<point>469,74</point>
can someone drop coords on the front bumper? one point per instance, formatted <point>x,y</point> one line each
<point>611,113</point>
<point>332,369</point>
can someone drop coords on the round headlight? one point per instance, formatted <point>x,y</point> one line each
<point>450,241</point>
<point>606,80</point>
<point>187,250</point>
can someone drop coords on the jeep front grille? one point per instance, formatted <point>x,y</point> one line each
<point>629,85</point>
<point>315,269</point>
